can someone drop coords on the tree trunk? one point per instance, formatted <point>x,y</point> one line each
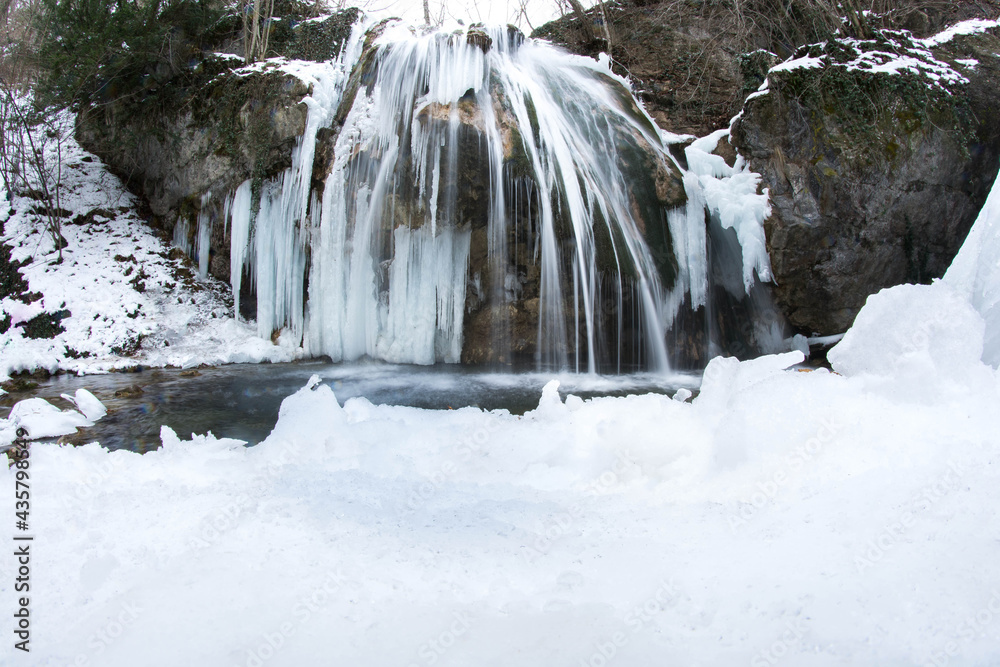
<point>857,21</point>
<point>585,23</point>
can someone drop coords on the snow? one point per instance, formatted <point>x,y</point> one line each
<point>35,418</point>
<point>925,340</point>
<point>817,517</point>
<point>896,52</point>
<point>969,27</point>
<point>180,321</point>
<point>805,62</point>
<point>88,404</point>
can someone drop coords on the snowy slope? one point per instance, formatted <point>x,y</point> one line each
<point>119,284</point>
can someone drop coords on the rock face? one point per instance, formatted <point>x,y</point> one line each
<point>872,183</point>
<point>693,62</point>
<point>207,128</point>
<point>874,179</point>
<point>241,125</point>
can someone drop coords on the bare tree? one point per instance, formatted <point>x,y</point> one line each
<point>256,28</point>
<point>587,24</point>
<point>25,138</point>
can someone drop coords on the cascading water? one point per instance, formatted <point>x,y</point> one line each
<point>487,199</point>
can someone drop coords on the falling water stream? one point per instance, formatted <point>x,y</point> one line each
<point>467,196</point>
<point>484,199</point>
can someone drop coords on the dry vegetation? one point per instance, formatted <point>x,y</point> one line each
<point>694,61</point>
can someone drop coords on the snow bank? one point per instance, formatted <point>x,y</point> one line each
<point>780,512</point>
<point>916,334</point>
<point>975,273</point>
<point>923,338</point>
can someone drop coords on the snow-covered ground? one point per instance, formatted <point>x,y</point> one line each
<point>781,517</point>
<point>118,282</point>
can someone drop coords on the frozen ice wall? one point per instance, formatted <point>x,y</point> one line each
<point>397,164</point>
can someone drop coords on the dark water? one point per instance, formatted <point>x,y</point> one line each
<point>242,400</point>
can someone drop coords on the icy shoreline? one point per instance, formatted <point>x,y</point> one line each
<point>820,518</point>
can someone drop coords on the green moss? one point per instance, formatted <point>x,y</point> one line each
<point>529,105</point>
<point>238,112</point>
<point>12,283</point>
<point>853,109</point>
<point>754,67</point>
<point>314,40</point>
<point>46,325</point>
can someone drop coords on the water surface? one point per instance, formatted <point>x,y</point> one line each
<point>242,400</point>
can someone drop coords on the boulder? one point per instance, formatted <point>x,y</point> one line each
<point>875,178</point>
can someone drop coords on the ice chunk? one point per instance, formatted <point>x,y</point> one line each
<point>550,404</point>
<point>87,403</point>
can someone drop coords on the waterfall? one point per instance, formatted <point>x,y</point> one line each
<point>488,199</point>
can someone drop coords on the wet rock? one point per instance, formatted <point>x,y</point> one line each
<point>132,391</point>
<point>874,180</point>
<point>19,385</point>
<point>477,36</point>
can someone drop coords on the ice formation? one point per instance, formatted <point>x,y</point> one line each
<point>376,261</point>
<point>975,273</point>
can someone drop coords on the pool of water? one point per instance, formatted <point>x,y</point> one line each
<point>242,400</point>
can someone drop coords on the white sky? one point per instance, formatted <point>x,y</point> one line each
<point>471,11</point>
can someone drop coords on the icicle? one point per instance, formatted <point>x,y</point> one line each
<point>203,239</point>
<point>730,193</point>
<point>182,235</point>
<point>239,245</point>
